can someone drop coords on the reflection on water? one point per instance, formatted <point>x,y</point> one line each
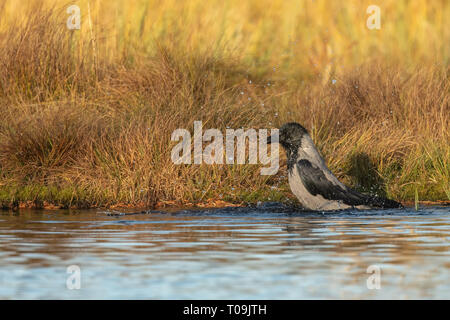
<point>225,254</point>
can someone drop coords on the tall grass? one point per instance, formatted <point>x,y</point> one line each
<point>87,114</point>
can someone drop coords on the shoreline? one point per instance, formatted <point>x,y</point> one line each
<point>174,205</point>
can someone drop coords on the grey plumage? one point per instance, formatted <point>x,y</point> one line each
<point>313,183</point>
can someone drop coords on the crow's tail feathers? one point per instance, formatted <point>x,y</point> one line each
<point>383,202</point>
<point>375,201</point>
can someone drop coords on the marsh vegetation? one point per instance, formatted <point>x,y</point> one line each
<point>87,115</point>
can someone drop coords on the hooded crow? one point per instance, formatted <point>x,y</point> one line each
<point>313,183</point>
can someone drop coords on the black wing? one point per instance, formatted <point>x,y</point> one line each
<point>316,183</point>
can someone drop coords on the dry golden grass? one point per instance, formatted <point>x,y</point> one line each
<point>87,115</point>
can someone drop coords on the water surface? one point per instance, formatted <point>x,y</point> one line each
<point>251,253</point>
